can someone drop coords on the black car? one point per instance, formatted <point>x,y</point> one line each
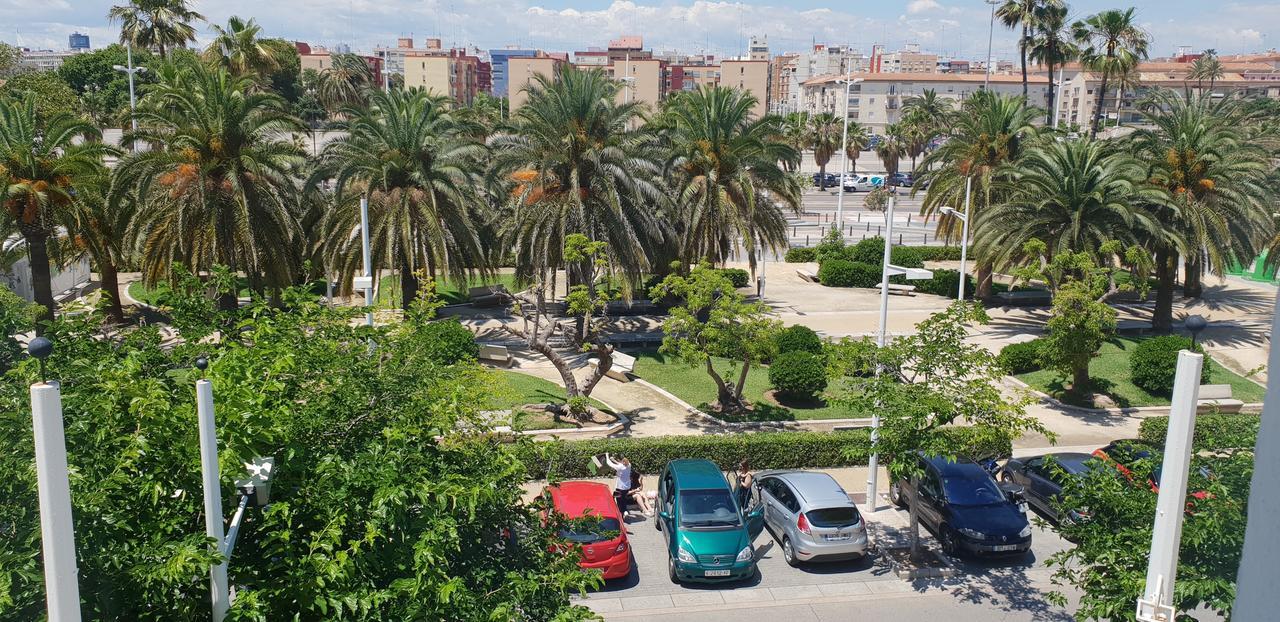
<point>1042,478</point>
<point>825,181</point>
<point>965,508</point>
<point>902,180</point>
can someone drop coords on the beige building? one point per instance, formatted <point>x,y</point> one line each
<point>1078,100</point>
<point>521,72</point>
<point>430,72</point>
<point>909,60</point>
<point>642,81</point>
<point>751,76</point>
<point>877,101</point>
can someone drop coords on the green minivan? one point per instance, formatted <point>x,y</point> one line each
<point>708,535</point>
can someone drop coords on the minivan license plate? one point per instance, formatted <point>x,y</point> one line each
<point>717,573</point>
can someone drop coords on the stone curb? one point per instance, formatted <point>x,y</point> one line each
<point>733,426</point>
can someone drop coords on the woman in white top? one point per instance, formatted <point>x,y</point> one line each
<point>621,485</point>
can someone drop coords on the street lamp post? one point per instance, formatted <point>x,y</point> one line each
<point>1194,325</point>
<point>991,30</point>
<point>964,232</point>
<point>367,280</point>
<point>131,70</point>
<point>848,82</point>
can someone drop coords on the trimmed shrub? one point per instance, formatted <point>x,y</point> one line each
<point>1154,362</point>
<point>831,247</point>
<point>871,251</point>
<point>737,276</point>
<point>767,450</point>
<point>797,338</point>
<point>449,342</point>
<point>800,254</point>
<point>842,273</point>
<point>1020,358</point>
<point>852,357</point>
<point>945,283</point>
<point>937,253</point>
<point>798,374</point>
<point>1213,432</point>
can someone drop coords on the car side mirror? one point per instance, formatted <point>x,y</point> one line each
<point>664,515</point>
<point>755,513</point>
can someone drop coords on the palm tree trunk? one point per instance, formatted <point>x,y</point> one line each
<point>1193,278</point>
<point>1022,49</point>
<point>408,283</point>
<point>982,289</point>
<point>1166,274</point>
<point>1053,100</point>
<point>1097,114</point>
<point>38,256</point>
<point>111,290</point>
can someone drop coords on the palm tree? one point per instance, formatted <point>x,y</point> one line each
<point>931,109</point>
<point>239,49</point>
<point>1051,45</point>
<point>1216,180</point>
<point>99,229</point>
<point>42,158</point>
<point>825,136</point>
<point>915,132</point>
<point>221,190</point>
<point>858,140</point>
<point>891,147</point>
<point>1024,13</point>
<point>343,84</point>
<point>574,164</point>
<point>161,25</point>
<point>990,132</point>
<point>1128,80</point>
<point>725,173</point>
<point>795,131</point>
<point>419,168</point>
<point>1207,67</point>
<point>1075,196</point>
<point>1111,43</point>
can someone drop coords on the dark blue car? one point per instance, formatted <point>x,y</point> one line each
<point>964,507</point>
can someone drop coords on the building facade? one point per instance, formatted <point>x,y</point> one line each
<point>1078,99</point>
<point>318,59</point>
<point>78,41</point>
<point>520,74</point>
<point>45,60</point>
<point>751,76</point>
<point>498,61</point>
<point>877,101</point>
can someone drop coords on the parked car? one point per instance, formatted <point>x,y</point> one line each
<point>595,525</point>
<point>1043,477</point>
<point>858,183</point>
<point>965,508</point>
<point>902,180</point>
<point>810,516</point>
<point>824,181</point>
<point>1123,453</point>
<point>708,535</point>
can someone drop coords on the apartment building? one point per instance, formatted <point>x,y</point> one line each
<point>45,60</point>
<point>907,60</point>
<point>820,61</point>
<point>1078,100</point>
<point>642,81</point>
<point>751,76</point>
<point>520,72</point>
<point>498,61</point>
<point>393,58</point>
<point>877,101</point>
<point>758,49</point>
<point>319,58</point>
<point>454,73</point>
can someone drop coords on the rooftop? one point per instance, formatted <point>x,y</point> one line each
<point>926,77</point>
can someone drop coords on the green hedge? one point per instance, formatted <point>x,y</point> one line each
<point>842,273</point>
<point>945,283</point>
<point>737,276</point>
<point>1213,432</point>
<point>1020,358</point>
<point>807,254</point>
<point>798,374</point>
<point>937,253</point>
<point>800,254</point>
<point>797,338</point>
<point>1155,361</point>
<point>766,450</point>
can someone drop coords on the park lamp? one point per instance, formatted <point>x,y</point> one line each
<point>40,348</point>
<point>1195,324</point>
<point>951,211</point>
<point>124,69</point>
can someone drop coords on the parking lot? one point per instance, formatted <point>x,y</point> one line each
<point>1007,589</point>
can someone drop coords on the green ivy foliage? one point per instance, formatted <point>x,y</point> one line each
<point>391,500</point>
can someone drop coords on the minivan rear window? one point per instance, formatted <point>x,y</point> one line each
<point>587,531</point>
<point>833,517</point>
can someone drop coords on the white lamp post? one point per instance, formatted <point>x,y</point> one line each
<point>844,151</point>
<point>887,270</point>
<point>964,232</point>
<point>219,590</point>
<point>365,281</point>
<point>131,70</point>
<point>991,30</point>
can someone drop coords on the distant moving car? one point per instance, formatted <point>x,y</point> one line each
<point>595,525</point>
<point>708,534</point>
<point>824,181</point>
<point>965,508</point>
<point>810,516</point>
<point>1043,477</point>
<point>902,180</point>
<point>858,183</point>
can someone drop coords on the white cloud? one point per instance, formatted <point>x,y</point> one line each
<point>916,7</point>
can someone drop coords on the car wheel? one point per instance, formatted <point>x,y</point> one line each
<point>947,541</point>
<point>895,495</point>
<point>671,570</point>
<point>789,553</point>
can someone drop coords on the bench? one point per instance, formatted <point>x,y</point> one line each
<point>806,275</point>
<point>488,295</point>
<point>635,307</point>
<point>496,355</point>
<point>621,368</point>
<point>1026,298</point>
<point>901,290</point>
<point>1217,398</point>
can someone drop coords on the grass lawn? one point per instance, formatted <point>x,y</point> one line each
<point>1110,374</point>
<point>154,296</point>
<point>693,385</point>
<point>513,389</point>
<point>450,293</point>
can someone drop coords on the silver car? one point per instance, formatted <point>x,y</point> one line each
<point>810,516</point>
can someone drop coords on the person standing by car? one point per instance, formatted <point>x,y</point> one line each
<point>621,485</point>
<point>745,479</point>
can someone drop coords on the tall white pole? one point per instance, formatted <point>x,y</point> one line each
<point>991,30</point>
<point>964,234</point>
<point>844,157</point>
<point>873,464</point>
<point>219,590</point>
<point>1171,504</point>
<point>133,100</point>
<point>57,532</point>
<point>368,259</point>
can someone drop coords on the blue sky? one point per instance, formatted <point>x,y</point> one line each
<point>722,27</point>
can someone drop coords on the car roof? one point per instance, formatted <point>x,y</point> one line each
<point>814,487</point>
<point>697,473</point>
<point>1071,462</point>
<point>574,499</point>
<point>962,467</point>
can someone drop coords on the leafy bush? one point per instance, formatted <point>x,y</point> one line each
<point>797,338</point>
<point>1154,362</point>
<point>798,374</point>
<point>945,283</point>
<point>448,342</point>
<point>937,253</point>
<point>832,246</point>
<point>871,251</point>
<point>737,276</point>
<point>16,316</point>
<point>852,357</point>
<point>1213,432</point>
<point>843,273</point>
<point>800,254</point>
<point>767,450</point>
<point>1020,358</point>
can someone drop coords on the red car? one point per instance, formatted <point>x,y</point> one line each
<point>595,525</point>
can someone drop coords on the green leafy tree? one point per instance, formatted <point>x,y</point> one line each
<point>1111,43</point>
<point>725,171</point>
<point>93,77</point>
<point>98,227</point>
<point>17,316</point>
<point>1108,270</point>
<point>161,25</point>
<point>715,321</point>
<point>826,133</point>
<point>53,97</point>
<point>927,381</point>
<point>10,57</point>
<point>858,141</point>
<point>1078,326</point>
<point>239,48</point>
<point>795,132</point>
<point>343,84</point>
<point>892,147</point>
<point>932,110</point>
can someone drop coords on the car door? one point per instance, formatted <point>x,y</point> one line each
<point>1045,487</point>
<point>769,501</point>
<point>931,498</point>
<point>788,505</point>
<point>666,493</point>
